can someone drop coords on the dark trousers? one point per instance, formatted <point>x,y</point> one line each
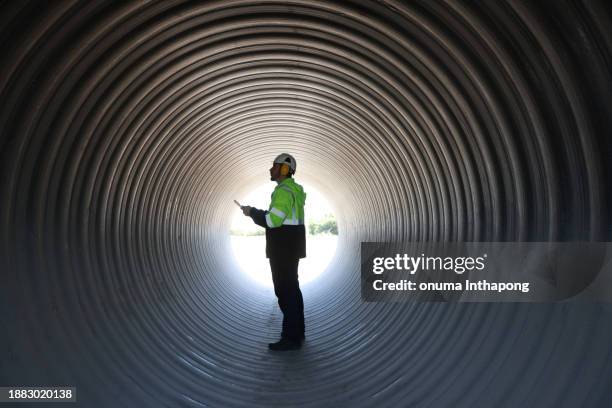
<point>287,290</point>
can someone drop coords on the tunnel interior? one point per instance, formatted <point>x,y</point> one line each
<point>128,128</point>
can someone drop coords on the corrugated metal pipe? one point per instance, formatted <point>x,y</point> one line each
<point>127,128</point>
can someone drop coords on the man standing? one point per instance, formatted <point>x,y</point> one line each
<point>285,245</point>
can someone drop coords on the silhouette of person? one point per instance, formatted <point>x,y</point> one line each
<point>285,245</point>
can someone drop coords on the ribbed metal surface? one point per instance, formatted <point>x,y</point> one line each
<point>128,128</point>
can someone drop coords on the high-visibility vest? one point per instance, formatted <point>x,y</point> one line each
<point>287,206</point>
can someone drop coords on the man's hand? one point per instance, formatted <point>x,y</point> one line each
<point>246,210</point>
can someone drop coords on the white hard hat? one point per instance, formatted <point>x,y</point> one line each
<point>286,158</point>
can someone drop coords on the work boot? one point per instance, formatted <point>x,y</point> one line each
<point>302,336</point>
<point>285,344</point>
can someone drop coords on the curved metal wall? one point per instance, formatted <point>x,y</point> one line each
<point>128,128</point>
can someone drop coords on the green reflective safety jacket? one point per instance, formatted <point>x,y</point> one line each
<point>287,206</point>
<point>284,221</point>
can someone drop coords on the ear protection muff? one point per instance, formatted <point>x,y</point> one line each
<point>284,170</point>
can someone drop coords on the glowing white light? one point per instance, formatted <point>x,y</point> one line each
<point>249,251</point>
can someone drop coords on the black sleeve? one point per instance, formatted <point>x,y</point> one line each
<point>259,217</point>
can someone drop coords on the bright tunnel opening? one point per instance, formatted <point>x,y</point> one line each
<point>248,239</point>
